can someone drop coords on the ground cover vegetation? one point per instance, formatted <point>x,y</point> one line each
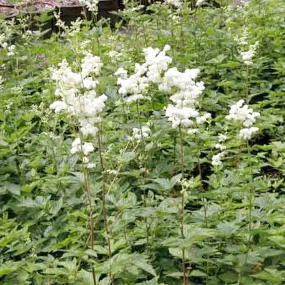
<point>148,153</point>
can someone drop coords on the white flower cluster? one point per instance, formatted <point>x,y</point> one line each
<point>247,133</point>
<point>114,55</point>
<point>91,5</point>
<point>199,2</point>
<point>240,112</point>
<point>247,51</point>
<point>141,134</point>
<point>220,145</point>
<point>134,87</point>
<point>242,40</point>
<point>183,112</point>
<point>247,56</point>
<point>85,149</point>
<point>78,97</point>
<point>3,44</point>
<point>217,159</point>
<point>175,3</point>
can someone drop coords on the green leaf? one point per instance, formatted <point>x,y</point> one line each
<point>9,267</point>
<point>144,266</point>
<point>271,275</point>
<point>279,240</point>
<point>13,188</point>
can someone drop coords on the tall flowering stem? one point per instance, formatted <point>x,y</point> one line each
<point>104,193</point>
<point>91,217</point>
<point>182,215</point>
<point>78,98</point>
<point>250,221</point>
<point>246,117</point>
<point>184,116</point>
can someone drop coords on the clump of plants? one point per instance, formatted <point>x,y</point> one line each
<point>151,152</point>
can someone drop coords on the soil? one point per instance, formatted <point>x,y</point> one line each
<point>37,6</point>
<point>8,11</point>
<point>69,3</point>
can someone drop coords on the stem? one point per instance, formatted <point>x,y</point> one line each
<point>144,195</point>
<point>250,208</point>
<point>247,84</point>
<point>91,219</point>
<point>146,221</point>
<point>200,173</point>
<point>182,215</point>
<point>90,212</point>
<point>104,199</point>
<point>174,149</point>
<point>182,151</point>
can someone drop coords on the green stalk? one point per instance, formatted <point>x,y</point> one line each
<point>144,195</point>
<point>91,218</point>
<point>247,84</point>
<point>104,191</point>
<point>250,221</point>
<point>90,206</point>
<point>182,214</point>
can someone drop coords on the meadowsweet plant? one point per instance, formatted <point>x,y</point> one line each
<point>141,134</point>
<point>134,87</point>
<point>247,51</point>
<point>241,113</point>
<point>184,113</point>
<point>125,161</point>
<point>84,106</point>
<point>77,91</point>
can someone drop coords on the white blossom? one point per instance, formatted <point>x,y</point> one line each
<point>181,117</point>
<point>90,64</point>
<point>182,80</point>
<point>135,98</point>
<point>141,134</point>
<point>11,50</point>
<point>156,62</point>
<point>202,119</point>
<point>243,39</point>
<point>183,113</point>
<point>193,131</point>
<point>242,113</point>
<point>76,146</point>
<point>92,5</point>
<point>122,73</point>
<point>222,137</point>
<point>248,55</point>
<point>220,146</point>
<point>87,163</point>
<point>114,55</point>
<point>246,133</point>
<point>77,93</point>
<point>217,159</point>
<point>112,171</point>
<point>175,3</point>
<point>79,147</point>
<point>199,2</point>
<point>58,106</point>
<point>87,148</point>
<point>89,129</point>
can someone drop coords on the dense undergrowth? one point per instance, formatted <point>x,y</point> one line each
<point>143,186</point>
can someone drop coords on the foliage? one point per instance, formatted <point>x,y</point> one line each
<point>162,213</point>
